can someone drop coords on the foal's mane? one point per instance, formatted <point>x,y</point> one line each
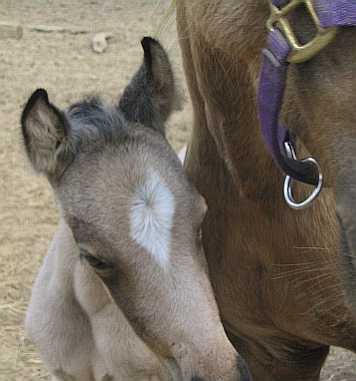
<point>95,124</point>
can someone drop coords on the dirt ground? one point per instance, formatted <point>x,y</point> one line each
<point>65,65</point>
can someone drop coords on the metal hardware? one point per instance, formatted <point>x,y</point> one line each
<point>300,53</point>
<point>288,183</point>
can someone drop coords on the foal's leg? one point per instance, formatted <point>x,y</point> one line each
<point>281,360</point>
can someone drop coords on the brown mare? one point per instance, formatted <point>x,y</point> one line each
<point>277,273</point>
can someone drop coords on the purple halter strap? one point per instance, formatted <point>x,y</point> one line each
<point>331,13</point>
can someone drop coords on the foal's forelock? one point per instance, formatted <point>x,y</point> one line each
<point>96,124</point>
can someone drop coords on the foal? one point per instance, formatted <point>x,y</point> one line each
<point>124,292</point>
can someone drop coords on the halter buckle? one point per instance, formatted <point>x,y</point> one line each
<point>300,53</point>
<point>288,183</point>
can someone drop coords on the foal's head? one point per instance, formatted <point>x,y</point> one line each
<point>134,215</point>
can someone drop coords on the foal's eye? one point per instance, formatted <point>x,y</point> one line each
<point>95,262</point>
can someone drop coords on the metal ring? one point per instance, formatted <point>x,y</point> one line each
<point>288,189</point>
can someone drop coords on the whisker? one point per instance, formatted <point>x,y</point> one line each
<point>311,248</point>
<point>329,300</point>
<point>320,292</point>
<point>320,276</point>
<point>316,262</point>
<point>333,302</point>
<point>330,290</point>
<point>299,272</point>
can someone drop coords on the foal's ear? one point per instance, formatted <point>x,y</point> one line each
<point>44,130</point>
<point>151,96</point>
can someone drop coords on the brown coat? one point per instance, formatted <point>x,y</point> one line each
<point>276,272</point>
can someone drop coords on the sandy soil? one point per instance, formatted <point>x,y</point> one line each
<point>64,64</point>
